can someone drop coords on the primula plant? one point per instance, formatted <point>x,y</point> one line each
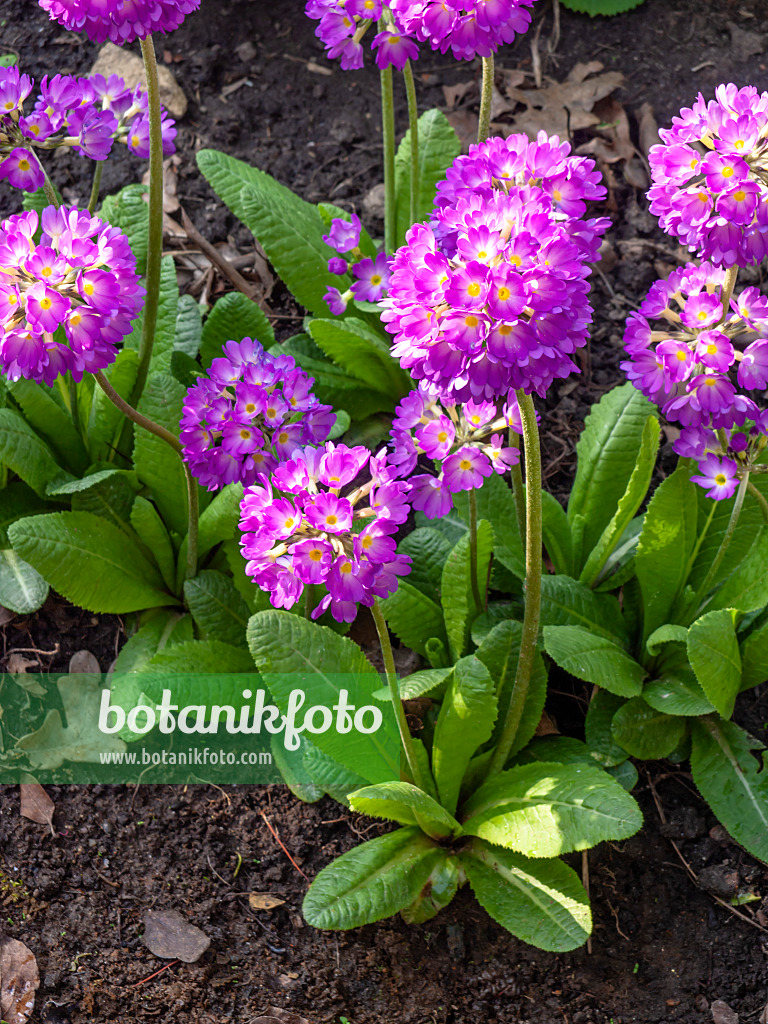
<point>248,497</point>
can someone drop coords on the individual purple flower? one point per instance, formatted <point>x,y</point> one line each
<point>337,265</point>
<point>49,323</point>
<point>720,475</point>
<point>299,530</point>
<point>22,170</point>
<point>344,235</point>
<point>492,294</point>
<point>251,413</point>
<point>91,132</point>
<point>716,204</point>
<point>372,278</point>
<point>393,48</point>
<point>336,301</point>
<point>120,21</point>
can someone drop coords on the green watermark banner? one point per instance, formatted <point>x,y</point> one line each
<point>156,727</point>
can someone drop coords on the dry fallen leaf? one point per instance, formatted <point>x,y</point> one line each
<point>614,144</point>
<point>464,123</point>
<point>264,901</point>
<point>547,726</point>
<point>83,662</point>
<point>648,129</point>
<point>37,805</point>
<point>171,936</point>
<point>722,1013</point>
<point>17,663</point>
<point>19,979</point>
<point>454,93</point>
<point>277,1013</point>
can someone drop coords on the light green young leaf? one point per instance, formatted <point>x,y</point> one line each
<point>233,318</point>
<point>359,350</point>
<point>22,588</point>
<point>158,466</point>
<point>644,732</point>
<point>597,729</point>
<point>754,658</point>
<point>557,534</point>
<point>566,602</point>
<point>24,452</point>
<point>676,692</point>
<point>16,501</point>
<point>594,659</point>
<point>328,775</point>
<point>539,901</point>
<point>465,722</point>
<point>496,505</point>
<point>105,421</point>
<point>217,608</point>
<point>436,893</point>
<point>458,603</point>
<point>406,804</point>
<point>153,534</point>
<point>747,586</point>
<point>429,549</point>
<point>189,327</point>
<point>89,561</point>
<point>733,780</point>
<point>372,881</point>
<point>544,810</point>
<point>439,146</point>
<point>713,519</point>
<point>45,412</point>
<point>129,211</point>
<point>413,617</point>
<point>713,651</point>
<point>668,633</point>
<point>165,327</point>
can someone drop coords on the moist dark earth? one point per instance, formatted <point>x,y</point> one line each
<point>663,949</point>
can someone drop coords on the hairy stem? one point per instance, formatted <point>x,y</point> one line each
<point>476,595</point>
<point>388,138</point>
<point>95,186</point>
<point>50,191</point>
<point>155,237</point>
<point>724,544</point>
<point>413,124</point>
<point>518,488</point>
<point>389,667</point>
<point>760,498</point>
<point>173,442</point>
<point>727,290</point>
<point>533,569</point>
<point>484,121</point>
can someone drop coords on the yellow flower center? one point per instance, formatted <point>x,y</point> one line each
<point>727,172</point>
<point>315,554</point>
<point>346,568</point>
<point>282,438</point>
<point>740,196</point>
<point>245,434</point>
<point>503,294</point>
<point>515,261</point>
<point>23,165</point>
<point>46,271</point>
<point>250,408</point>
<point>721,479</point>
<point>442,437</point>
<point>135,140</point>
<point>46,303</point>
<point>680,355</point>
<point>710,382</point>
<point>331,520</point>
<point>557,195</point>
<point>473,289</point>
<point>471,321</point>
<point>711,350</point>
<point>376,279</point>
<point>289,523</point>
<point>465,464</point>
<point>703,197</point>
<point>88,288</point>
<point>702,315</point>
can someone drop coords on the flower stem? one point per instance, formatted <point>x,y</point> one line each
<point>50,191</point>
<point>533,568</point>
<point>172,441</point>
<point>479,602</point>
<point>760,498</point>
<point>389,667</point>
<point>484,120</point>
<point>413,124</point>
<point>518,488</point>
<point>388,138</point>
<point>155,237</point>
<point>727,290</point>
<point>95,186</point>
<point>724,544</point>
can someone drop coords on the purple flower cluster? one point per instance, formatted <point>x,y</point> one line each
<point>371,274</point>
<point>710,177</point>
<point>250,413</point>
<point>120,21</point>
<point>468,28</point>
<point>696,360</point>
<point>343,23</point>
<point>86,114</point>
<point>493,295</point>
<point>466,444</point>
<point>299,529</point>
<point>67,301</point>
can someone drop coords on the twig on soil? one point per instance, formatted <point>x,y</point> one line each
<point>282,847</point>
<point>33,650</point>
<point>213,869</point>
<point>115,885</point>
<point>151,976</point>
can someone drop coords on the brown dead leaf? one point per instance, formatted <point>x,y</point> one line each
<point>19,980</point>
<point>264,901</point>
<point>284,1016</point>
<point>85,663</point>
<point>561,108</point>
<point>6,615</point>
<point>722,1013</point>
<point>37,805</point>
<point>18,664</point>
<point>455,93</point>
<point>464,123</point>
<point>170,936</point>
<point>648,129</point>
<point>614,144</point>
<point>547,726</point>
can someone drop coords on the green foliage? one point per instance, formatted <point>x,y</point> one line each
<point>22,588</point>
<point>644,732</point>
<point>157,465</point>
<point>406,804</point>
<point>458,602</point>
<point>233,318</point>
<point>605,8</point>
<point>713,651</point>
<point>413,617</point>
<point>363,353</point>
<point>439,146</point>
<point>594,659</point>
<point>217,608</point>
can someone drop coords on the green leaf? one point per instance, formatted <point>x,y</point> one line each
<point>754,658</point>
<point>557,749</point>
<point>645,732</point>
<point>189,327</point>
<point>607,451</point>
<point>732,780</point>
<point>290,764</point>
<point>499,652</point>
<point>427,682</point>
<point>436,893</point>
<point>289,229</point>
<point>565,602</point>
<point>597,729</point>
<point>620,565</point>
<point>604,8</point>
<point>413,617</point>
<point>328,775</point>
<point>89,561</point>
<point>165,327</point>
<point>539,901</point>
<point>465,722</point>
<point>233,318</point>
<point>105,421</point>
<point>23,451</point>
<point>747,587</point>
<point>496,504</point>
<point>406,804</point>
<point>111,498</point>
<point>557,534</point>
<point>217,523</point>
<point>458,603</point>
<point>16,501</point>
<point>217,608</point>
<point>130,212</point>
<point>291,651</point>
<point>429,549</point>
<point>713,520</point>
<point>594,659</point>
<point>372,881</point>
<point>22,588</point>
<point>665,547</point>
<point>153,534</point>
<point>677,693</point>
<point>668,633</point>
<point>38,200</point>
<point>205,662</point>
<point>629,503</point>
<point>439,146</point>
<point>713,651</point>
<point>45,413</point>
<point>356,348</point>
<point>543,810</point>
<point>166,627</point>
<point>157,464</point>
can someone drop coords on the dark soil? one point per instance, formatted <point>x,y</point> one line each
<point>663,949</point>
